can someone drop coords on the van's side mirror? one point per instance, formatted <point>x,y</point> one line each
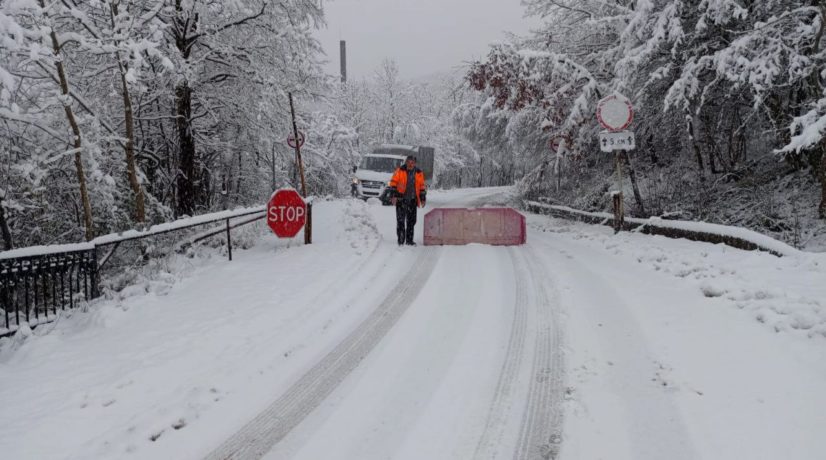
<point>355,168</point>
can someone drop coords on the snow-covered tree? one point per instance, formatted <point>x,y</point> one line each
<point>167,106</point>
<point>721,88</point>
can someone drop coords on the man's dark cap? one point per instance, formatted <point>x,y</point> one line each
<point>411,157</point>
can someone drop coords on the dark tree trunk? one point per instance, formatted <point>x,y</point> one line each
<point>129,148</point>
<point>816,84</point>
<point>186,26</point>
<point>632,174</point>
<point>822,209</point>
<point>693,139</point>
<point>187,162</point>
<point>193,179</point>
<point>712,163</point>
<point>4,228</point>
<point>129,122</point>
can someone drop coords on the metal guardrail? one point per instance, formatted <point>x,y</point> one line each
<point>34,287</point>
<point>651,228</point>
<point>116,240</point>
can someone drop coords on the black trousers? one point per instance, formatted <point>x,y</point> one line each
<point>406,211</point>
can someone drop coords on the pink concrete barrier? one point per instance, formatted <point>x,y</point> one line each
<point>493,226</point>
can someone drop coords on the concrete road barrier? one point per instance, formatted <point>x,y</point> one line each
<point>493,226</point>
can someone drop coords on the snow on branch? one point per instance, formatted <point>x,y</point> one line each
<point>518,78</point>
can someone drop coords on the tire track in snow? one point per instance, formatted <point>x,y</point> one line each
<point>257,437</point>
<point>541,425</point>
<point>652,415</point>
<point>503,398</point>
<point>540,435</point>
<point>353,272</point>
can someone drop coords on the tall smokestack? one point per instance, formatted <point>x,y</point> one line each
<point>343,49</point>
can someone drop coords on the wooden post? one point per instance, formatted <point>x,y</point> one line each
<point>272,156</point>
<point>308,226</point>
<point>298,150</point>
<point>618,201</point>
<point>229,242</point>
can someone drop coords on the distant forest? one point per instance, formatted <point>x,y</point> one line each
<point>117,115</point>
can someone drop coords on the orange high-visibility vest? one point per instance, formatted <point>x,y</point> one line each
<point>399,182</point>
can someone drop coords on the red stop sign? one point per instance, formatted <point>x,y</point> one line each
<point>286,213</point>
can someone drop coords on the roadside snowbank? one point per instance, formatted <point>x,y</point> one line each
<point>786,294</point>
<point>682,350</point>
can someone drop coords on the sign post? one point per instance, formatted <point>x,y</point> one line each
<point>296,141</point>
<point>615,113</point>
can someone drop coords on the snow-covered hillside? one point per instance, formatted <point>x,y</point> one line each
<point>579,345</point>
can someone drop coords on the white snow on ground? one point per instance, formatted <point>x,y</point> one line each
<point>581,342</point>
<point>688,350</point>
<point>424,382</point>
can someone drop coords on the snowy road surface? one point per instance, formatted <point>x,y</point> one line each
<point>579,345</point>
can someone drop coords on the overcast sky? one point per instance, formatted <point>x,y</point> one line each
<point>424,36</point>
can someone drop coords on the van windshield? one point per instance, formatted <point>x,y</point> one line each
<point>380,164</point>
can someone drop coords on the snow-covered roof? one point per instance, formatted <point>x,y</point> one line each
<point>397,146</point>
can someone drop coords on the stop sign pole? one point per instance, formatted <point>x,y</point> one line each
<point>308,228</point>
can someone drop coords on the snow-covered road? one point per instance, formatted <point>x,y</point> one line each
<point>578,345</point>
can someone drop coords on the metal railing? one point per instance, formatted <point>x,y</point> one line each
<point>34,287</point>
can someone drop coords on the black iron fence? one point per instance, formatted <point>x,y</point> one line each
<point>34,288</point>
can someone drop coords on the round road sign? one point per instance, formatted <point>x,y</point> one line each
<point>286,213</point>
<point>291,140</point>
<point>615,112</point>
<point>556,142</point>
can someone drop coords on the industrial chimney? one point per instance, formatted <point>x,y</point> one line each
<point>343,49</point>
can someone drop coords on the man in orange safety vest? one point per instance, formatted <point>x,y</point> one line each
<point>408,192</point>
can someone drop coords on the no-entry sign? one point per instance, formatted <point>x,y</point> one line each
<point>615,113</point>
<point>286,213</point>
